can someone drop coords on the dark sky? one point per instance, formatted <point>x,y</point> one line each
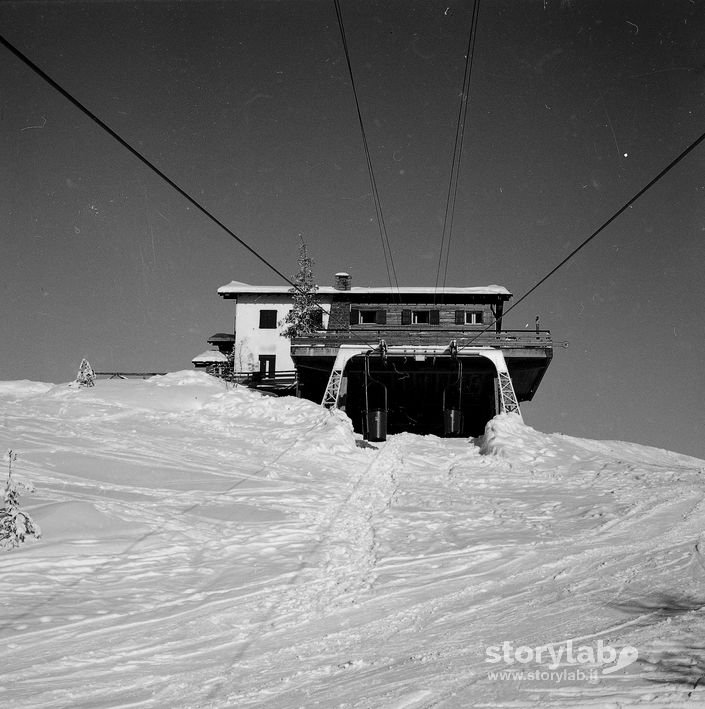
<point>574,106</point>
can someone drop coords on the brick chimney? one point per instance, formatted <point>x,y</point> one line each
<point>342,281</point>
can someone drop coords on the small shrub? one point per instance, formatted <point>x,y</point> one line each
<point>15,525</point>
<point>86,375</point>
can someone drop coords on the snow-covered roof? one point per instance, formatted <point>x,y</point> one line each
<point>237,287</point>
<point>210,356</point>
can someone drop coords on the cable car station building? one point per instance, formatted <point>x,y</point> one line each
<point>425,360</point>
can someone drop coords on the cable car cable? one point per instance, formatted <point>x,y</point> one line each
<point>597,231</point>
<point>454,179</point>
<point>69,97</point>
<point>146,161</point>
<point>384,236</point>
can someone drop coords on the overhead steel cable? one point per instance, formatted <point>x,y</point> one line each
<point>595,233</point>
<point>384,236</point>
<point>146,161</point>
<point>86,111</point>
<point>454,179</point>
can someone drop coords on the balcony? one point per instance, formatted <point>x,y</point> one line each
<point>326,342</point>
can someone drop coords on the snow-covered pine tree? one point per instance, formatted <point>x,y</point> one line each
<point>15,525</point>
<point>305,314</point>
<point>85,376</point>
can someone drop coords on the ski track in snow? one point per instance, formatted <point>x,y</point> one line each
<point>205,547</point>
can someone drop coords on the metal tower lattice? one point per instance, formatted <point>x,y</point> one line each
<point>330,397</point>
<point>507,395</point>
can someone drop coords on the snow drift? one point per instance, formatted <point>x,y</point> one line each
<point>206,546</point>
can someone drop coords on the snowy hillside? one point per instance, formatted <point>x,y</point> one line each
<point>210,547</point>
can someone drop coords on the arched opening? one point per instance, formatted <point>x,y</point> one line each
<point>419,389</point>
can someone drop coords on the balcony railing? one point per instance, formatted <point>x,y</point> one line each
<point>280,378</point>
<point>395,336</point>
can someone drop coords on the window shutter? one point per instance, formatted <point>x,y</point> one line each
<point>381,317</point>
<point>354,316</point>
<point>460,317</point>
<point>406,317</point>
<point>434,317</point>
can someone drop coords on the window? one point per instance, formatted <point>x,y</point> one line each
<point>368,316</point>
<point>268,319</point>
<point>420,317</point>
<point>267,365</point>
<point>468,317</point>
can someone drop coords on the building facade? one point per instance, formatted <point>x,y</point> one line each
<point>414,353</point>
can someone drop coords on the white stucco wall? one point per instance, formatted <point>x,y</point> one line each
<point>251,341</point>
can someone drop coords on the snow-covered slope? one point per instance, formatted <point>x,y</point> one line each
<point>210,547</point>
